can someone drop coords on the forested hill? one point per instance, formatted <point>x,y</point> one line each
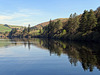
<point>41,25</point>
<point>84,27</point>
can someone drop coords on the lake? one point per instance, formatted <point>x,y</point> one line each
<point>48,57</point>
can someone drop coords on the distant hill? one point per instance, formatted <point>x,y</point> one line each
<point>41,25</point>
<point>8,28</point>
<point>4,28</point>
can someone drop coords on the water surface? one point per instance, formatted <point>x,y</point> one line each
<point>48,57</point>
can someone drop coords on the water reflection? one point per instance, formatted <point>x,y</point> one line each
<point>88,54</point>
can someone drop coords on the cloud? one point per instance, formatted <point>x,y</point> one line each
<point>20,17</point>
<point>20,13</point>
<point>2,17</point>
<point>31,11</point>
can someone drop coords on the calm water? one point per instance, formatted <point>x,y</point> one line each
<point>48,57</point>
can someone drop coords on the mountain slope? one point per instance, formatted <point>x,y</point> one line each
<point>41,25</point>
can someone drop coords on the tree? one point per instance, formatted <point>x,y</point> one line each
<point>47,29</point>
<point>98,15</point>
<point>83,21</point>
<point>73,23</point>
<point>59,25</point>
<point>14,30</point>
<point>49,26</point>
<point>52,30</point>
<point>98,19</point>
<point>92,21</point>
<point>29,28</point>
<point>70,21</point>
<point>25,30</point>
<point>76,23</point>
<point>41,31</point>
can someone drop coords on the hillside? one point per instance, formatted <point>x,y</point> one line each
<point>41,25</point>
<point>4,28</point>
<point>8,28</point>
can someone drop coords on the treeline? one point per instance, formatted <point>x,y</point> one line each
<point>84,27</point>
<point>25,33</point>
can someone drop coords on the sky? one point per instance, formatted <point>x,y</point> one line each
<point>33,12</point>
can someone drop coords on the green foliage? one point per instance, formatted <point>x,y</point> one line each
<point>88,21</point>
<point>78,27</point>
<point>58,25</point>
<point>98,19</point>
<point>29,28</point>
<point>73,23</point>
<point>41,31</point>
<point>52,28</point>
<point>92,20</point>
<point>25,30</point>
<point>14,30</point>
<point>98,15</point>
<point>83,21</point>
<point>64,32</point>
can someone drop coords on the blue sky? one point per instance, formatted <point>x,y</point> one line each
<point>24,12</point>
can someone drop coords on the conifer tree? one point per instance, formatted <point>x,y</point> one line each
<point>29,28</point>
<point>58,26</point>
<point>73,24</point>
<point>25,30</point>
<point>83,21</point>
<point>92,21</point>
<point>98,19</point>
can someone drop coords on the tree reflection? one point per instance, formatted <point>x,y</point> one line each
<point>88,54</point>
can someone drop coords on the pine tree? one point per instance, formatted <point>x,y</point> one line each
<point>98,15</point>
<point>73,24</point>
<point>49,26</point>
<point>92,21</point>
<point>98,19</point>
<point>29,28</point>
<point>68,26</point>
<point>83,21</point>
<point>58,26</point>
<point>52,28</point>
<point>14,30</point>
<point>25,30</point>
